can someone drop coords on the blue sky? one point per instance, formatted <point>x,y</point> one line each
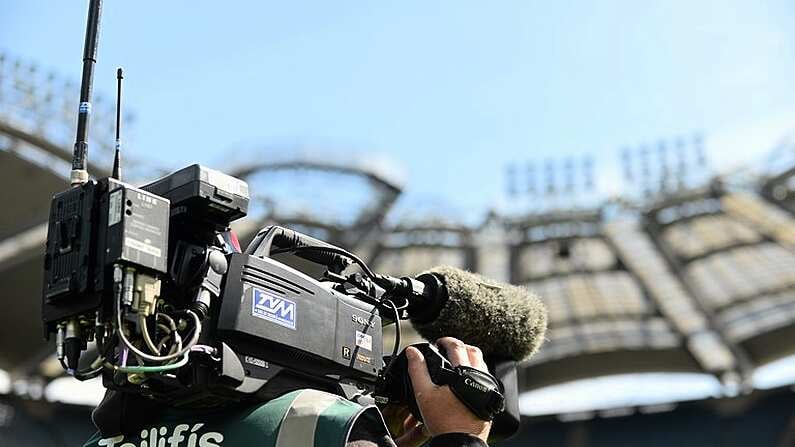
<point>452,90</point>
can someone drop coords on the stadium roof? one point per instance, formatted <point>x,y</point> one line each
<point>699,280</point>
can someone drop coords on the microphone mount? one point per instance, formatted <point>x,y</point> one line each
<point>425,295</point>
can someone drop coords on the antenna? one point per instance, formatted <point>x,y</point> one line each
<point>79,173</point>
<point>117,156</point>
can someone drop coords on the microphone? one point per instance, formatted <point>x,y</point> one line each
<point>504,321</point>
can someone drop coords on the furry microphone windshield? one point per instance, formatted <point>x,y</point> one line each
<point>504,321</point>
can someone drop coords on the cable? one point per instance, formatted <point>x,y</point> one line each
<point>95,368</point>
<point>146,369</point>
<point>208,350</point>
<point>90,374</point>
<point>157,358</point>
<point>163,343</point>
<point>154,347</point>
<point>171,323</point>
<point>396,345</point>
<point>403,306</point>
<point>147,338</point>
<point>172,333</point>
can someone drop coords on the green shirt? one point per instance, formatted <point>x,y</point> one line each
<point>296,419</point>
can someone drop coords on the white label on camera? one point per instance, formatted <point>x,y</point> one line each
<point>255,361</point>
<point>142,246</point>
<point>114,208</point>
<point>364,341</point>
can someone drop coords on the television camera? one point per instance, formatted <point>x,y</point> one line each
<point>152,282</point>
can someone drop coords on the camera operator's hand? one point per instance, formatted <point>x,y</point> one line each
<point>441,410</point>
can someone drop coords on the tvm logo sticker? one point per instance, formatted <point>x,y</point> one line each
<point>273,308</point>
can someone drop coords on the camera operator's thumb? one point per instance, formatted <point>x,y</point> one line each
<point>442,412</point>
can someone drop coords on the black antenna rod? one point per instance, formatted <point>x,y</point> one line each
<point>117,156</point>
<point>79,173</point>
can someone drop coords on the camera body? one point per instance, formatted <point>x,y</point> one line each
<point>177,313</point>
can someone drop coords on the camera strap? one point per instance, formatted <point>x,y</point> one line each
<point>481,392</point>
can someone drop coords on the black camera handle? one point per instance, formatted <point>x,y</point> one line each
<point>480,391</point>
<point>274,237</point>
